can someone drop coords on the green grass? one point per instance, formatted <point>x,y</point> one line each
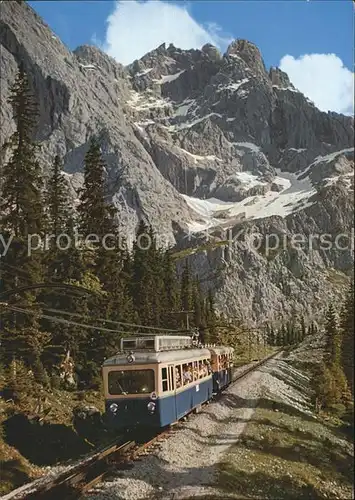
<point>285,456</point>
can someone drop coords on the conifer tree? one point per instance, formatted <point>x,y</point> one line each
<point>116,279</point>
<point>171,292</point>
<point>347,332</point>
<point>142,286</point>
<point>198,305</point>
<point>312,329</point>
<point>186,289</point>
<point>22,217</point>
<point>289,333</point>
<point>283,335</point>
<point>211,317</point>
<point>95,214</point>
<point>325,388</point>
<point>21,205</point>
<point>96,217</point>
<point>303,329</point>
<point>59,209</point>
<point>332,336</point>
<point>60,220</point>
<point>18,382</point>
<point>70,267</point>
<point>155,258</point>
<point>273,336</point>
<point>270,334</point>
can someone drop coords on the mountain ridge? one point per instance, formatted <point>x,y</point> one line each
<point>181,129</point>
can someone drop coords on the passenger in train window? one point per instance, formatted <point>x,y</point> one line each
<point>195,370</point>
<point>201,369</point>
<point>188,376</point>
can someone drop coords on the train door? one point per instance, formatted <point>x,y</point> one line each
<point>172,387</point>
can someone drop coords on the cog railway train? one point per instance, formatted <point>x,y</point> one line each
<point>154,381</point>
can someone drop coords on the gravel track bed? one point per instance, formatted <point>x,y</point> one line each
<point>186,463</point>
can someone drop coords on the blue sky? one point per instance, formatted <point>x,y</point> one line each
<point>126,30</point>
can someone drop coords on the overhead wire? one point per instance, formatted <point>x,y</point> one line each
<point>62,320</point>
<point>59,311</point>
<point>82,325</point>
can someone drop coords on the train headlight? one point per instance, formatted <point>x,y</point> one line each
<point>151,407</point>
<point>114,407</point>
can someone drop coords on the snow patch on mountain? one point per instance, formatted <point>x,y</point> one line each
<point>169,78</point>
<point>187,125</point>
<point>184,107</point>
<point>247,180</point>
<point>233,86</point>
<point>87,66</point>
<point>332,156</point>
<point>143,102</point>
<point>290,89</point>
<point>144,72</point>
<point>247,145</point>
<point>199,158</point>
<point>294,196</point>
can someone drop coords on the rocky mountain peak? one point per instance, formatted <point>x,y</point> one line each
<point>91,57</point>
<point>280,78</point>
<point>213,53</point>
<point>250,53</point>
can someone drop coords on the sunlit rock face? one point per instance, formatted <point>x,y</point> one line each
<point>202,145</point>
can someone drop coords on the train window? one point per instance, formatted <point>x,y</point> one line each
<point>203,368</point>
<point>195,370</point>
<point>178,376</point>
<point>208,366</point>
<point>187,373</point>
<point>131,382</point>
<point>148,343</point>
<point>164,377</point>
<point>129,344</point>
<point>171,378</point>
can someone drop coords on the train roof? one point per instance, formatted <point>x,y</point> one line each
<point>221,350</point>
<point>157,343</point>
<point>152,357</point>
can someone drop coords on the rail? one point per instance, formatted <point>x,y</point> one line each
<point>76,480</point>
<point>254,366</point>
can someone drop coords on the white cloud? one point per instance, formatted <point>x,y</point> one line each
<point>322,78</point>
<point>134,28</point>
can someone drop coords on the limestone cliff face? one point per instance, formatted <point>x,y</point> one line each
<point>198,143</point>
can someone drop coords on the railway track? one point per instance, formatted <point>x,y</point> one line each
<point>245,372</point>
<point>78,479</point>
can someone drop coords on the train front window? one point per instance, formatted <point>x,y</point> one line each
<point>121,383</point>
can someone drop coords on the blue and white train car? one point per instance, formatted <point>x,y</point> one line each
<point>155,381</point>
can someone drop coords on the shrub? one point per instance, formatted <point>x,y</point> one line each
<point>18,381</point>
<point>56,382</point>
